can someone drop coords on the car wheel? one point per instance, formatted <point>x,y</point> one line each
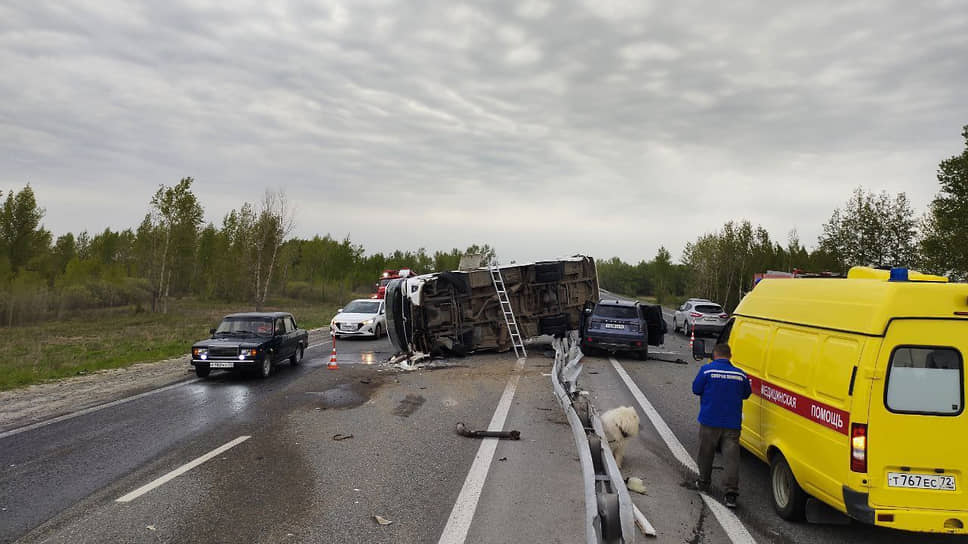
<point>297,356</point>
<point>642,355</point>
<point>675,326</point>
<point>202,371</point>
<point>789,499</point>
<point>266,368</point>
<point>378,331</point>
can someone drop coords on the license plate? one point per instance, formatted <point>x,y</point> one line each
<point>349,327</point>
<point>914,480</point>
<point>221,365</point>
<point>614,326</point>
<point>710,319</point>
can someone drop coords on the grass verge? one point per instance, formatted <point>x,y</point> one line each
<point>119,337</point>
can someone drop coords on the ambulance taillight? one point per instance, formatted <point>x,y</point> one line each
<point>858,447</point>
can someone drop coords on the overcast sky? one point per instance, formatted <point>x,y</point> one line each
<point>544,128</point>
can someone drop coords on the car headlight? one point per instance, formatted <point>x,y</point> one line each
<point>199,351</point>
<point>368,322</point>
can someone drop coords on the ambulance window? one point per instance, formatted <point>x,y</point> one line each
<point>925,380</point>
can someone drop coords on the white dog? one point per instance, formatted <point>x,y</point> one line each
<point>620,424</point>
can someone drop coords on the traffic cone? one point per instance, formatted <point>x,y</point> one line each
<point>692,337</point>
<point>332,358</point>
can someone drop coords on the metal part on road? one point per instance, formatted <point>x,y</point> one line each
<point>608,506</point>
<point>510,435</point>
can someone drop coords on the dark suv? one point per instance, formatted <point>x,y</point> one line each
<point>622,325</point>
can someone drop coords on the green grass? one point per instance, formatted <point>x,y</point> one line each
<point>119,337</point>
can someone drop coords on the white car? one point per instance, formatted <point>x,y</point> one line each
<point>701,316</point>
<point>361,317</point>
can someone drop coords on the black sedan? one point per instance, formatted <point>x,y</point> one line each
<point>251,342</point>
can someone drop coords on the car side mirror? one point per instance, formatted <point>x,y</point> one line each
<point>339,311</point>
<point>699,350</point>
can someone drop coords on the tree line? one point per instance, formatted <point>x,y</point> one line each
<point>251,254</point>
<point>247,258</point>
<point>870,229</point>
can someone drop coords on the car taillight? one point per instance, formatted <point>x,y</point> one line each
<point>723,316</point>
<point>858,447</point>
<point>695,314</point>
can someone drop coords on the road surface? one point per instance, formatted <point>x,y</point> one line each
<point>233,459</point>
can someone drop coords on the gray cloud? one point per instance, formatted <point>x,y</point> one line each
<point>544,128</point>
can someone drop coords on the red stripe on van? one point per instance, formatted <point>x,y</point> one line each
<point>816,411</point>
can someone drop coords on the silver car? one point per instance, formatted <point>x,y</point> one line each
<point>699,315</point>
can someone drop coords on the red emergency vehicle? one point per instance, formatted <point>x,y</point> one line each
<point>381,287</point>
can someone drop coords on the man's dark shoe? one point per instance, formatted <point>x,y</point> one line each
<point>731,500</point>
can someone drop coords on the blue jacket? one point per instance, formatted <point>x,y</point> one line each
<point>722,388</point>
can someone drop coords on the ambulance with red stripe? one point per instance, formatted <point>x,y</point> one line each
<point>859,395</point>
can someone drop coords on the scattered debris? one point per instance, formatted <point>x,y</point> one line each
<point>593,372</point>
<point>667,357</point>
<point>503,459</point>
<point>382,520</point>
<point>341,436</point>
<point>151,528</point>
<point>643,523</point>
<point>510,435</point>
<point>365,380</point>
<point>635,484</point>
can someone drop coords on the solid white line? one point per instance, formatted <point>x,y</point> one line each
<point>459,522</point>
<point>92,409</point>
<point>731,524</point>
<point>181,470</point>
<point>669,437</point>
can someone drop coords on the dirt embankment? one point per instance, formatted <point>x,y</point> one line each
<point>20,407</point>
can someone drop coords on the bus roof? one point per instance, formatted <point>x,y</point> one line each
<point>864,302</point>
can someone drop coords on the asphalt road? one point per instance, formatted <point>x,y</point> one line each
<point>246,460</point>
<point>291,480</point>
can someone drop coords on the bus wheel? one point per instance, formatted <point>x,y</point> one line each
<point>789,499</point>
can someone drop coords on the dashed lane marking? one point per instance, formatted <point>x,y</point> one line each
<point>459,522</point>
<point>181,470</point>
<point>731,524</point>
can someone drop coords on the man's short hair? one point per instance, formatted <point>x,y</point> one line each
<point>722,351</point>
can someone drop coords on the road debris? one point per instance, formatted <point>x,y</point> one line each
<point>501,459</point>
<point>635,484</point>
<point>643,523</point>
<point>382,520</point>
<point>667,357</point>
<point>341,436</point>
<point>510,435</point>
<point>151,528</point>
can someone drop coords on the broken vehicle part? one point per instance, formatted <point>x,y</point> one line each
<point>510,435</point>
<point>459,312</point>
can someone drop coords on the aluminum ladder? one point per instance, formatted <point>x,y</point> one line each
<point>502,297</point>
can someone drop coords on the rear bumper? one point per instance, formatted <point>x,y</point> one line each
<point>923,521</point>
<point>616,342</point>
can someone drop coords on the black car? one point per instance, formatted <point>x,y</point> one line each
<point>622,325</point>
<point>252,342</point>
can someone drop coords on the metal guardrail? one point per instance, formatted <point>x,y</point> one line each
<point>609,516</point>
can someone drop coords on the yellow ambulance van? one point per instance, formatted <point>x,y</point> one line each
<point>859,395</point>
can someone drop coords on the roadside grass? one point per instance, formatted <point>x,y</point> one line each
<point>120,337</point>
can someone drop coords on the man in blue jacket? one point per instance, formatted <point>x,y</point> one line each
<point>722,388</point>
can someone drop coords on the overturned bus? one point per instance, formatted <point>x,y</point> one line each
<point>459,312</point>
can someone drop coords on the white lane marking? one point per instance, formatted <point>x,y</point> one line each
<point>181,470</point>
<point>459,522</point>
<point>93,409</point>
<point>727,519</point>
<point>669,437</point>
